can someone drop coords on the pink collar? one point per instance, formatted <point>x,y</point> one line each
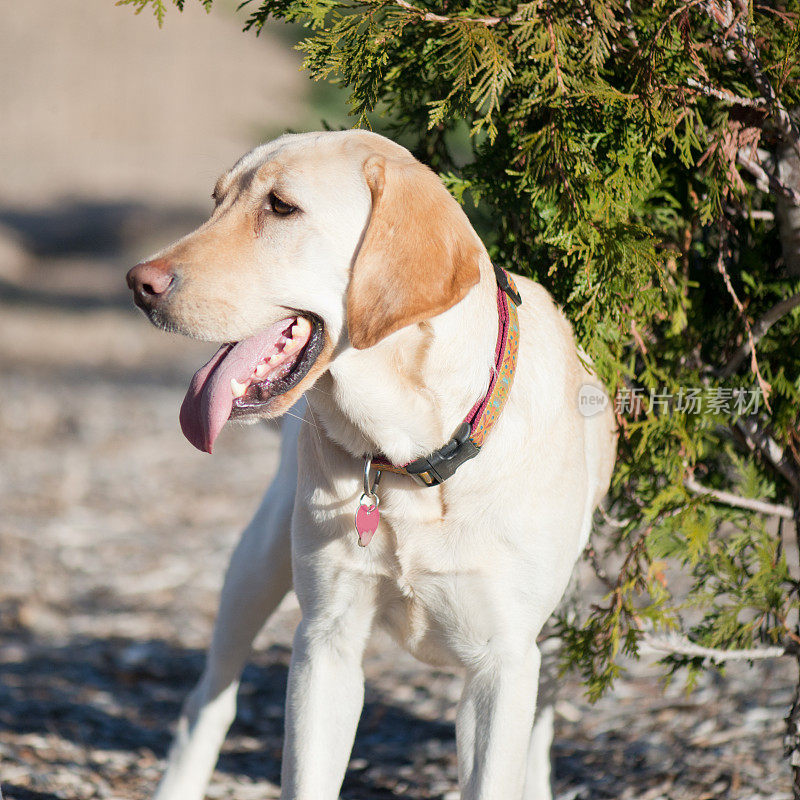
<point>466,442</point>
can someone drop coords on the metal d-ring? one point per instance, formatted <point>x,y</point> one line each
<point>371,488</point>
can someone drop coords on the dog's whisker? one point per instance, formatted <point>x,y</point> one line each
<point>302,419</point>
<point>316,427</point>
<point>317,389</point>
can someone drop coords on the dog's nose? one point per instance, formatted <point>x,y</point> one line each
<point>151,282</point>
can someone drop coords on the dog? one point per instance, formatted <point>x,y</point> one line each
<point>345,282</point>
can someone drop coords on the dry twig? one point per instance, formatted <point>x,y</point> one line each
<point>724,94</point>
<point>429,16</point>
<point>767,182</point>
<point>722,269</point>
<point>736,501</point>
<point>776,313</point>
<point>759,440</point>
<point>676,644</point>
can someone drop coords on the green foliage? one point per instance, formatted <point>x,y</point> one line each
<point>159,7</point>
<point>604,149</point>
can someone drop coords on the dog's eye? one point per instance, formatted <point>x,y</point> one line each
<point>280,207</point>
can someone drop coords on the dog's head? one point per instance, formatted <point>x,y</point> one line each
<point>318,242</point>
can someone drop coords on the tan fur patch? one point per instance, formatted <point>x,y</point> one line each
<point>419,255</point>
<point>421,355</point>
<point>442,503</point>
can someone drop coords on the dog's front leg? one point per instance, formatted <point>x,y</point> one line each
<point>326,689</point>
<point>258,577</point>
<point>494,722</point>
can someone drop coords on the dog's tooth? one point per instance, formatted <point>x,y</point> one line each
<point>274,359</point>
<point>237,388</point>
<point>301,328</point>
<point>293,346</point>
<point>261,371</point>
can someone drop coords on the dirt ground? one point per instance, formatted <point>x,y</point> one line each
<point>114,532</point>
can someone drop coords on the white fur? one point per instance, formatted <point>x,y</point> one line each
<point>465,574</point>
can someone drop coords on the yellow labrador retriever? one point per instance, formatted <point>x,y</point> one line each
<point>448,486</point>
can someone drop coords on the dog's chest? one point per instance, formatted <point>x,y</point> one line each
<point>414,609</point>
<point>421,584</point>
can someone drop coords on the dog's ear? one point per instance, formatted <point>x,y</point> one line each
<point>418,257</point>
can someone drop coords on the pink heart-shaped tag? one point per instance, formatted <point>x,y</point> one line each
<point>367,518</point>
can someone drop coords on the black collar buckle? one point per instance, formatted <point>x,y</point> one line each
<point>438,466</point>
<point>505,285</point>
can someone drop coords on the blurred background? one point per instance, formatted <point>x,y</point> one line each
<point>115,532</point>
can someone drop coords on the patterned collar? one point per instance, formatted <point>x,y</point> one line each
<point>466,442</point>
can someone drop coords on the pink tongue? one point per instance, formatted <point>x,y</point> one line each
<point>209,401</point>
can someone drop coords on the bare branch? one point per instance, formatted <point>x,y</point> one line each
<point>787,213</point>
<point>758,440</point>
<point>723,246</point>
<point>777,312</point>
<point>755,213</point>
<point>736,501</point>
<point>612,522</point>
<point>675,644</point>
<point>591,554</point>
<point>429,16</point>
<point>767,182</point>
<point>762,214</point>
<point>724,94</point>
